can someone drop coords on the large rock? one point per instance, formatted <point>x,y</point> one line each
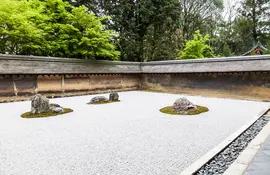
<point>39,104</point>
<point>114,96</point>
<point>183,104</point>
<point>99,99</point>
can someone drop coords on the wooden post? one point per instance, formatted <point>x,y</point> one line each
<point>63,83</point>
<point>121,80</point>
<point>36,89</point>
<point>14,88</point>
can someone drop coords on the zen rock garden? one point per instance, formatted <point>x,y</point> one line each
<point>40,107</point>
<point>183,106</point>
<point>113,97</point>
<point>132,134</point>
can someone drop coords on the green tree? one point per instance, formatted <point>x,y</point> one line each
<point>268,47</point>
<point>199,15</point>
<point>251,25</point>
<point>75,32</point>
<point>257,15</point>
<point>226,50</point>
<point>18,29</point>
<point>54,28</point>
<point>153,29</point>
<point>162,37</point>
<point>148,30</point>
<point>92,5</point>
<point>197,48</point>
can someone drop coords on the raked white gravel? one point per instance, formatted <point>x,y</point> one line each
<point>127,138</point>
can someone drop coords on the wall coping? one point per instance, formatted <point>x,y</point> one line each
<point>10,64</point>
<point>60,59</point>
<point>209,60</point>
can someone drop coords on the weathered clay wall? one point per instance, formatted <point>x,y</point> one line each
<point>17,85</point>
<point>245,85</point>
<point>243,77</point>
<point>6,86</point>
<point>48,84</point>
<point>28,75</point>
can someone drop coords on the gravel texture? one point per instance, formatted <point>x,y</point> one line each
<point>224,159</point>
<point>129,137</point>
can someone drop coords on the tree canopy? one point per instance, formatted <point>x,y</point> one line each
<point>132,30</point>
<point>54,28</point>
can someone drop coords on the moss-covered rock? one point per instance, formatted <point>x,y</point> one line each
<point>56,108</point>
<point>195,111</point>
<point>45,114</point>
<point>99,99</point>
<point>114,96</point>
<point>102,102</point>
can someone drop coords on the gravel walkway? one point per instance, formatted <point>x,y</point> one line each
<point>130,137</point>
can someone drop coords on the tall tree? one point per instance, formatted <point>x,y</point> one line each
<point>224,32</point>
<point>226,50</point>
<point>148,30</point>
<point>253,23</point>
<point>150,27</point>
<point>162,37</point>
<point>199,15</point>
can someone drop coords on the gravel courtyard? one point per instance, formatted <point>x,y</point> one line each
<point>130,137</point>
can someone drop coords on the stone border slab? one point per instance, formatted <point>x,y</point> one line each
<point>193,168</point>
<point>245,158</point>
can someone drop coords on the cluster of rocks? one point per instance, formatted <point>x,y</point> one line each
<point>220,163</point>
<point>101,99</point>
<point>40,104</point>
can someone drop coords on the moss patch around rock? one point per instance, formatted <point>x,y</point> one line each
<point>170,110</point>
<point>103,102</point>
<point>47,114</point>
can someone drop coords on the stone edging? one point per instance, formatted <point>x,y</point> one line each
<point>203,60</point>
<point>22,64</point>
<point>61,59</point>
<point>244,159</point>
<point>193,168</point>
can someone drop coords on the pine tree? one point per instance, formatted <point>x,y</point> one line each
<point>254,20</point>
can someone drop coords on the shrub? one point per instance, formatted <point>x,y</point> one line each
<point>197,48</point>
